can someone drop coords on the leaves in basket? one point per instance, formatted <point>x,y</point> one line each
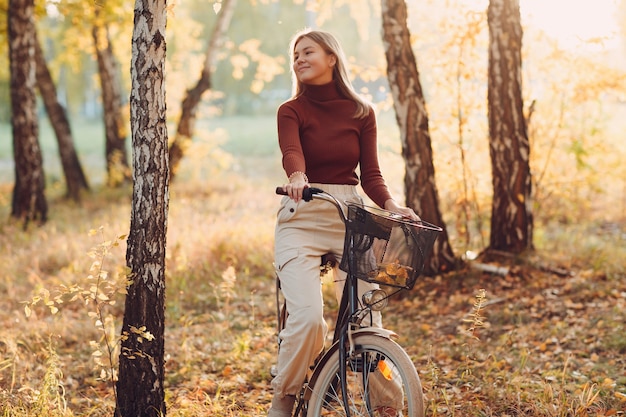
<point>391,273</point>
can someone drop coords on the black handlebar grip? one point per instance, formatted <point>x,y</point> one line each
<point>307,193</point>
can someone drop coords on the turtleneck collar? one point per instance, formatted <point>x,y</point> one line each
<point>322,92</point>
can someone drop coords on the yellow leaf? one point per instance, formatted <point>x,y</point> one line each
<point>608,383</point>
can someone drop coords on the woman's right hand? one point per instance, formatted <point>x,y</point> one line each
<point>297,183</point>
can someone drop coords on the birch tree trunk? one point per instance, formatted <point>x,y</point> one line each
<point>412,117</point>
<point>74,176</point>
<point>511,214</point>
<point>115,129</point>
<point>185,129</point>
<point>29,201</point>
<point>140,390</point>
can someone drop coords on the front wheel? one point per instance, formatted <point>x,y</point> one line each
<point>381,380</point>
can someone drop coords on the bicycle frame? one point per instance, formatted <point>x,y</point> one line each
<point>347,326</point>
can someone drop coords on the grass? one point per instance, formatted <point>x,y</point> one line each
<point>547,339</point>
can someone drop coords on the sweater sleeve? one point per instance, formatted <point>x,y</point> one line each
<point>289,139</point>
<point>372,179</point>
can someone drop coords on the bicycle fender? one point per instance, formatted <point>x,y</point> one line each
<point>376,331</point>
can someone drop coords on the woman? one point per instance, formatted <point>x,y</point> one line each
<point>325,132</point>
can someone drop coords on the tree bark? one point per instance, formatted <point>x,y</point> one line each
<point>29,201</point>
<point>511,213</point>
<point>118,171</point>
<point>140,391</point>
<point>74,176</point>
<point>412,117</point>
<point>185,129</point>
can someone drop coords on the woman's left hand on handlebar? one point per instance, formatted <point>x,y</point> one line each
<point>406,212</point>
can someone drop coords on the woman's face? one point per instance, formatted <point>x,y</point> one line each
<point>311,64</point>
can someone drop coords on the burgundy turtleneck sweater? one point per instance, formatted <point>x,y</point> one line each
<point>318,135</point>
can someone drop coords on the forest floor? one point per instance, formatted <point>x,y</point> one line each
<point>545,335</point>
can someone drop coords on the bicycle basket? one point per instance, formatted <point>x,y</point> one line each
<point>387,249</point>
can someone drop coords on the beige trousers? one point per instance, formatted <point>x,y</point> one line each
<point>304,232</point>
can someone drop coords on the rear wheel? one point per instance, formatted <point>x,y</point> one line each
<point>381,379</point>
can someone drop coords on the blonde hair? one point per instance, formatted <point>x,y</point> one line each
<point>340,72</point>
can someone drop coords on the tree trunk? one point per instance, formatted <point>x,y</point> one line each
<point>140,391</point>
<point>29,201</point>
<point>185,130</point>
<point>412,117</point>
<point>74,176</point>
<point>511,214</point>
<point>118,170</point>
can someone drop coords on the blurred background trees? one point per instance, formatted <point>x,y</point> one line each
<point>577,92</point>
<point>29,200</point>
<point>509,148</point>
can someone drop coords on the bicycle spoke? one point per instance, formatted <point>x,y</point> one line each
<point>381,382</point>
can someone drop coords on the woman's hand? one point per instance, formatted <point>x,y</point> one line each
<point>297,183</point>
<point>406,212</point>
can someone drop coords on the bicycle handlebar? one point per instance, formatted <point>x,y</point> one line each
<point>307,193</point>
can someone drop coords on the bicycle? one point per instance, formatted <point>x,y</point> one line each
<point>364,372</point>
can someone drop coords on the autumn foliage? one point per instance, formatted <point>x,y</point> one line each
<point>542,335</point>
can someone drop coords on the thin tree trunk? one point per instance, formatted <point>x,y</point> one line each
<point>185,130</point>
<point>29,201</point>
<point>412,117</point>
<point>140,390</point>
<point>118,170</point>
<point>74,176</point>
<point>509,148</point>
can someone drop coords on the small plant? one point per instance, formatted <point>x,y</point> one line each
<point>434,373</point>
<point>586,399</point>
<point>49,400</point>
<point>227,286</point>
<point>476,318</point>
<point>98,293</point>
<point>476,321</point>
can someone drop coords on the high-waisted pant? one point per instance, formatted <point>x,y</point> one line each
<point>304,232</point>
